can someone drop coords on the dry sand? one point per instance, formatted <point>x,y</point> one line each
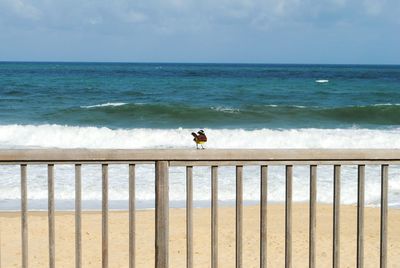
<point>118,238</point>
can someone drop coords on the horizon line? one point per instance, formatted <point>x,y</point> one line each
<point>200,62</point>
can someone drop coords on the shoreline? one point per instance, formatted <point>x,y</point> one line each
<point>118,237</point>
<point>203,205</point>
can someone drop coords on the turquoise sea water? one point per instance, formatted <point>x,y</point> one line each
<point>122,105</point>
<point>122,95</point>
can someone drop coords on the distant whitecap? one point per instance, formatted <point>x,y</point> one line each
<point>104,105</point>
<point>322,81</point>
<point>225,109</point>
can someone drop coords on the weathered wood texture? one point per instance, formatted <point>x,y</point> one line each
<point>384,215</point>
<point>263,216</point>
<point>336,217</point>
<point>238,157</point>
<point>189,217</point>
<point>123,155</point>
<point>288,217</point>
<point>104,244</point>
<point>50,177</point>
<point>132,222</point>
<point>78,212</point>
<point>239,216</point>
<point>214,217</point>
<point>24,217</point>
<point>234,163</point>
<point>360,216</point>
<point>162,215</point>
<point>313,212</point>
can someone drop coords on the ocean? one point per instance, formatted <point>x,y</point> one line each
<point>158,105</point>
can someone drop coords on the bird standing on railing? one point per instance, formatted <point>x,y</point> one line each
<point>199,138</point>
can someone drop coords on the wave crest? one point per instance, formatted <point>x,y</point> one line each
<point>23,136</point>
<point>113,104</point>
<point>159,115</point>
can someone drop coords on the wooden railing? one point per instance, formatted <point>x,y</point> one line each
<point>214,158</point>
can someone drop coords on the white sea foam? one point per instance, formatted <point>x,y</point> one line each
<point>322,81</point>
<point>104,105</point>
<point>12,136</point>
<point>387,104</point>
<point>225,109</point>
<point>26,136</point>
<point>301,106</point>
<point>293,106</point>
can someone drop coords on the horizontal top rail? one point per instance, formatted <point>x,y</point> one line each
<point>187,155</point>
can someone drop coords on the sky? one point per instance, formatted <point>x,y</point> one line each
<point>232,31</point>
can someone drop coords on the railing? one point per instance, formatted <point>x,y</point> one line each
<point>214,158</point>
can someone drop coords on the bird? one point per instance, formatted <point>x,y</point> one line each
<point>199,138</point>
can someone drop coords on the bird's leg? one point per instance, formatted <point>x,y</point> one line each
<point>202,146</point>
<point>197,146</point>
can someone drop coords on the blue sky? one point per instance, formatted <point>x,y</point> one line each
<point>260,31</point>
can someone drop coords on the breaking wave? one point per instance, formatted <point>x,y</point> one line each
<point>159,115</point>
<point>60,136</point>
<point>28,136</point>
<point>113,104</point>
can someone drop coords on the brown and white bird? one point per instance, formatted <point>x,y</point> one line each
<point>199,138</point>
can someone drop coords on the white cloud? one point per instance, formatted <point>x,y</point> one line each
<point>186,15</point>
<point>340,3</point>
<point>374,7</point>
<point>21,9</point>
<point>95,20</point>
<point>133,16</point>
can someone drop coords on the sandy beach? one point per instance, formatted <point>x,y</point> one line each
<point>91,237</point>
